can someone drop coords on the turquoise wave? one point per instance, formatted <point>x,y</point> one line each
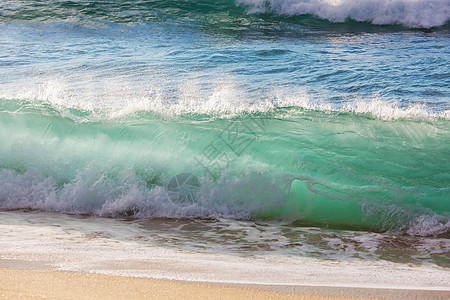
<point>336,169</point>
<point>233,15</point>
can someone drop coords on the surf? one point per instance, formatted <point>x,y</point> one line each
<point>413,14</point>
<point>230,13</point>
<point>287,163</point>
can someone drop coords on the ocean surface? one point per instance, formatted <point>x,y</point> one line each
<point>316,128</point>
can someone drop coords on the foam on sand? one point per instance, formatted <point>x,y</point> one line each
<point>105,246</point>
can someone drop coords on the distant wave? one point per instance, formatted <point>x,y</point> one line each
<point>410,13</point>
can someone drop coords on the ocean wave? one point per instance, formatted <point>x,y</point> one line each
<point>410,13</point>
<point>302,168</point>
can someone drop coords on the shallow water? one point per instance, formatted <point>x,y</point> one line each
<point>222,251</point>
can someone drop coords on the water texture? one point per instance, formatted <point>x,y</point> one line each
<point>315,113</point>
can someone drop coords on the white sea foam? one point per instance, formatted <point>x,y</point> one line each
<point>411,13</point>
<point>392,110</point>
<point>92,192</point>
<point>427,225</point>
<point>115,247</point>
<point>226,98</point>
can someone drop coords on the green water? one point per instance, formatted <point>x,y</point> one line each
<point>328,168</point>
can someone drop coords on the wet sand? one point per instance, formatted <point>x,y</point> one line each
<point>70,285</point>
<point>19,284</point>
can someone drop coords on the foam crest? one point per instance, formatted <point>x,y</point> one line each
<point>225,98</point>
<point>428,225</point>
<point>92,191</point>
<point>392,110</point>
<point>410,13</point>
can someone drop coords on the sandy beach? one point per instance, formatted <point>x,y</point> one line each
<point>68,285</point>
<point>20,284</point>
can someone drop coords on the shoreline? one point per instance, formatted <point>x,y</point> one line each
<point>71,285</point>
<point>73,253</point>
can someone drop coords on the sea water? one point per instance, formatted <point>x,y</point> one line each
<point>300,127</point>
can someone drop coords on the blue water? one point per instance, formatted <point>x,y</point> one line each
<point>332,113</point>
